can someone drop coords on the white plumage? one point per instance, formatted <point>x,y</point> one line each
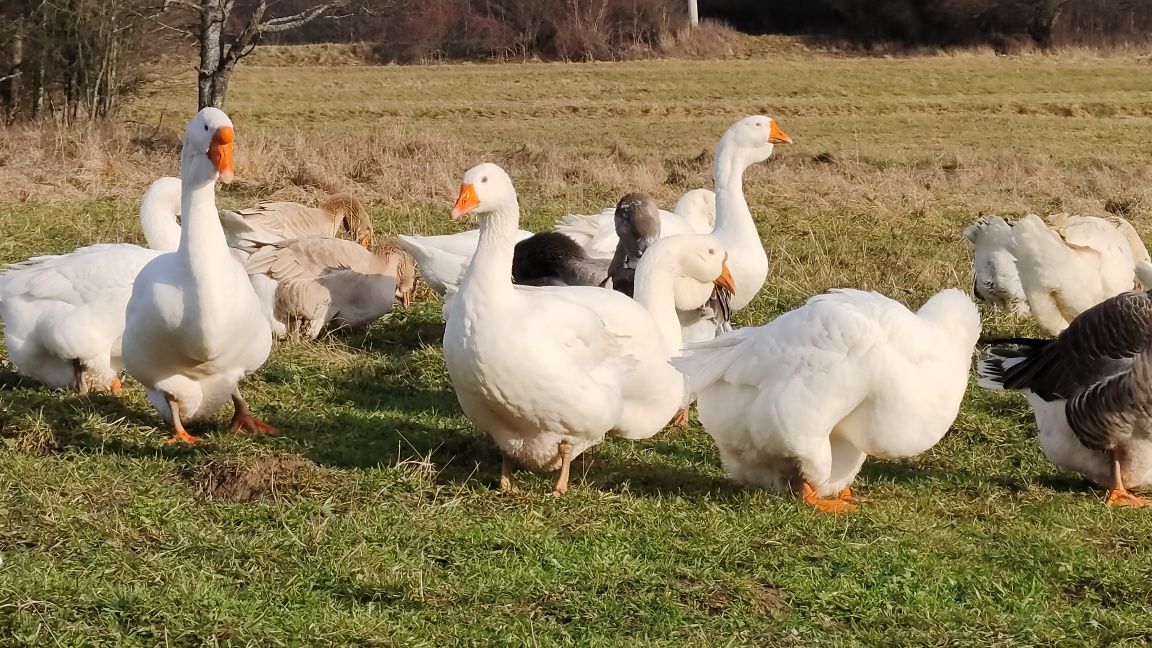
<point>549,371</point>
<point>64,314</point>
<point>798,403</point>
<point>194,325</point>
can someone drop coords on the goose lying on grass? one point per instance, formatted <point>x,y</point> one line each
<point>797,404</point>
<point>319,280</point>
<point>64,314</point>
<point>194,325</point>
<point>271,221</point>
<point>1091,392</point>
<point>550,371</point>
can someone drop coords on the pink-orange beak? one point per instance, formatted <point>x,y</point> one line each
<point>466,201</point>
<point>220,152</point>
<point>777,136</point>
<point>725,279</point>
<point>406,298</point>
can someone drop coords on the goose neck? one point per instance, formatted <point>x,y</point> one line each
<point>655,291</point>
<point>202,239</point>
<point>158,219</point>
<point>490,270</point>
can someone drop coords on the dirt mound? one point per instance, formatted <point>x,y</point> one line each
<point>270,476</point>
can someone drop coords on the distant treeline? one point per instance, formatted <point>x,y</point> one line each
<point>470,29</point>
<point>945,23</point>
<point>606,29</point>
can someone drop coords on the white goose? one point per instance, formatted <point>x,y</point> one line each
<point>797,404</point>
<point>549,371</point>
<point>1071,266</point>
<point>443,258</point>
<point>64,314</point>
<point>995,279</point>
<point>195,326</point>
<point>694,213</point>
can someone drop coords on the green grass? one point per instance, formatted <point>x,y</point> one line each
<point>372,518</point>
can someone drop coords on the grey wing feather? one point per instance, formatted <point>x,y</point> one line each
<point>1097,344</point>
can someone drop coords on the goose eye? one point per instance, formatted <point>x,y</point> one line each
<point>711,251</point>
<point>205,128</point>
<point>484,179</point>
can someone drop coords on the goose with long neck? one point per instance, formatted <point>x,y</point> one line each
<point>745,143</point>
<point>549,371</point>
<point>195,326</point>
<point>64,314</point>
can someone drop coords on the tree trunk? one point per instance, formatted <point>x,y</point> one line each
<point>210,83</point>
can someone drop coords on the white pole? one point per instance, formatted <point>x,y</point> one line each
<point>693,13</point>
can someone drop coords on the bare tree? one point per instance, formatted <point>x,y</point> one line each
<point>219,52</point>
<point>71,59</point>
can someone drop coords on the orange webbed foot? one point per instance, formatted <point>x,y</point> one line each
<point>827,505</point>
<point>681,418</point>
<point>116,387</point>
<point>182,436</point>
<point>845,494</point>
<point>250,424</point>
<point>1125,497</point>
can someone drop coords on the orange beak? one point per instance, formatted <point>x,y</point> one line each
<point>366,240</point>
<point>466,201</point>
<point>725,278</point>
<point>220,152</point>
<point>406,298</point>
<point>777,136</point>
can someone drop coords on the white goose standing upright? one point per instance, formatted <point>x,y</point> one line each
<point>195,326</point>
<point>747,142</point>
<point>549,371</point>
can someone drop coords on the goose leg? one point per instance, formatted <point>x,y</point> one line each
<point>681,417</point>
<point>243,419</point>
<point>506,468</point>
<point>116,386</point>
<point>179,435</point>
<point>565,467</point>
<point>78,380</point>
<point>1119,495</point>
<point>845,494</point>
<point>832,505</point>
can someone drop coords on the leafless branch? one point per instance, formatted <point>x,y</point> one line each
<point>185,4</point>
<point>11,76</point>
<point>155,19</point>
<point>296,20</point>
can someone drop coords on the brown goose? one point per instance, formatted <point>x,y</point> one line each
<point>319,279</point>
<point>341,213</point>
<point>1091,392</point>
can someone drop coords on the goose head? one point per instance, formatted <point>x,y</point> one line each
<point>637,221</point>
<point>485,188</point>
<point>699,257</point>
<point>207,152</point>
<point>396,261</point>
<point>751,140</point>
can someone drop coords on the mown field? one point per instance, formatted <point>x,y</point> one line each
<point>373,519</point>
